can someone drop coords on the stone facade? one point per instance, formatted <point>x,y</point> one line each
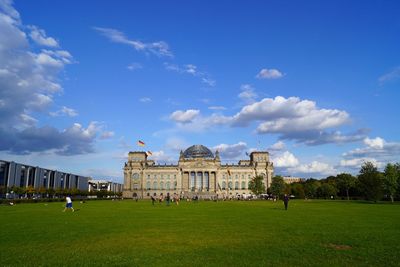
<point>198,172</point>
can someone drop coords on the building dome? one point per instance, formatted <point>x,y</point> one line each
<point>198,151</point>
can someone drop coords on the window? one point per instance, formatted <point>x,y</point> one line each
<point>155,176</point>
<point>22,180</point>
<point>230,185</point>
<point>148,176</point>
<point>199,182</point>
<point>192,180</point>
<point>168,177</point>
<point>168,186</point>
<point>206,180</point>
<point>135,176</point>
<point>155,185</point>
<point>148,187</point>
<point>236,177</point>
<point>236,185</point>
<point>243,185</point>
<point>162,185</point>
<point>223,185</point>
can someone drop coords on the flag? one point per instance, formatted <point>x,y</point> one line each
<point>149,153</point>
<point>140,143</point>
<point>247,153</point>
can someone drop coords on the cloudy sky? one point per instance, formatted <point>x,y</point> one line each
<point>316,83</point>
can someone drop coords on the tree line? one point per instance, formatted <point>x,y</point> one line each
<point>369,184</point>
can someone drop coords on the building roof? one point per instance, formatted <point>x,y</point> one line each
<point>198,151</point>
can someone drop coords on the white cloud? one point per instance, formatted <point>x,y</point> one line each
<point>64,111</point>
<point>162,157</point>
<point>247,94</point>
<point>70,141</point>
<point>377,150</point>
<point>277,146</point>
<point>107,135</point>
<point>286,159</point>
<point>315,167</point>
<point>28,81</point>
<point>230,152</point>
<point>356,163</point>
<point>40,37</point>
<point>159,48</point>
<point>217,108</point>
<point>390,76</point>
<point>134,66</point>
<point>145,99</point>
<point>192,70</point>
<point>184,116</point>
<point>269,74</point>
<point>291,118</point>
<point>376,143</point>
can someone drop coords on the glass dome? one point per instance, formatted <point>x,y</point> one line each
<point>198,151</point>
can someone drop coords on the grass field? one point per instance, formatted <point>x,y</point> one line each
<point>258,233</point>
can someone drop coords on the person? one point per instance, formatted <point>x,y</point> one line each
<point>168,198</point>
<point>286,200</point>
<point>176,197</point>
<point>68,205</point>
<point>152,200</point>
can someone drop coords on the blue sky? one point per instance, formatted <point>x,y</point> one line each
<point>314,83</point>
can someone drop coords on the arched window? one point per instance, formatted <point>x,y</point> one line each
<point>243,185</point>
<point>168,185</point>
<point>230,185</point>
<point>162,185</point>
<point>155,185</point>
<point>148,185</point>
<point>248,184</point>
<point>223,185</point>
<point>236,185</point>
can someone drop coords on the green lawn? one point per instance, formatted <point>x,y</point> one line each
<point>258,233</point>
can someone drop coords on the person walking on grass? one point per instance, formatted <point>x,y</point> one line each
<point>286,201</point>
<point>68,204</point>
<point>168,199</point>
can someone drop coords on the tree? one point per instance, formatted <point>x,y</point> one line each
<point>370,181</point>
<point>345,181</point>
<point>298,190</point>
<point>311,188</point>
<point>327,190</point>
<point>390,179</point>
<point>256,185</point>
<point>277,186</point>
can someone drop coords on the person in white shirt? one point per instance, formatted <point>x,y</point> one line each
<point>68,205</point>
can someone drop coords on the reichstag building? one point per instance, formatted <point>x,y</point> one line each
<point>198,172</point>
